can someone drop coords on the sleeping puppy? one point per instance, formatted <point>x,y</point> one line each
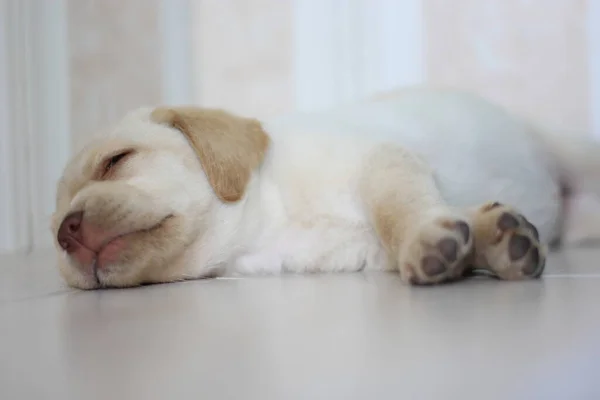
<point>430,183</point>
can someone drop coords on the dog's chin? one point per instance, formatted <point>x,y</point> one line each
<point>109,276</point>
<point>112,267</point>
<point>113,276</point>
<point>76,278</point>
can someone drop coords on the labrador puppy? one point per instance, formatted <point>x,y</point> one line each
<point>431,183</point>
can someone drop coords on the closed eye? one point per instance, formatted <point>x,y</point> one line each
<point>111,162</point>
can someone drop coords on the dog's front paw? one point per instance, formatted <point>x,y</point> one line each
<point>507,244</point>
<point>439,251</point>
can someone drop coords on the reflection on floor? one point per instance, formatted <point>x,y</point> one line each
<point>353,336</point>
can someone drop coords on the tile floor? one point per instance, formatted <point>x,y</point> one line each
<point>312,337</point>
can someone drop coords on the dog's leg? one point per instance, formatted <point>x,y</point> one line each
<point>426,241</point>
<point>506,243</point>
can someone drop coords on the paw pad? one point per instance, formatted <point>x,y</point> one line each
<point>464,230</point>
<point>507,221</point>
<point>531,268</point>
<point>440,253</point>
<point>518,246</point>
<point>490,206</point>
<point>448,248</point>
<point>513,249</point>
<point>432,266</point>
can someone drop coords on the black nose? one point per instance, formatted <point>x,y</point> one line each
<point>69,233</point>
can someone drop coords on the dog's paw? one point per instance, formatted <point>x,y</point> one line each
<point>507,244</point>
<point>439,251</point>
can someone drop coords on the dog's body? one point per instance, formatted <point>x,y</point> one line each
<point>426,182</point>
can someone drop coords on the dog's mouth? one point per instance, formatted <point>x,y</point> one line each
<point>98,261</point>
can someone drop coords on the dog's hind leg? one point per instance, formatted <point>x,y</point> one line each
<point>426,241</point>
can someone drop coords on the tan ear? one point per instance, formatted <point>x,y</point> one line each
<point>229,147</point>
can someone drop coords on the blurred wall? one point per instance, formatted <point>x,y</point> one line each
<point>244,55</point>
<point>530,55</point>
<point>115,61</point>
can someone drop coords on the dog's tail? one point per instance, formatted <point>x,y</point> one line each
<point>574,156</point>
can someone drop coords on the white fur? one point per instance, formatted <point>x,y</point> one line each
<point>302,212</point>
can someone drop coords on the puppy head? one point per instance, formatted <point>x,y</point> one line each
<point>132,202</point>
